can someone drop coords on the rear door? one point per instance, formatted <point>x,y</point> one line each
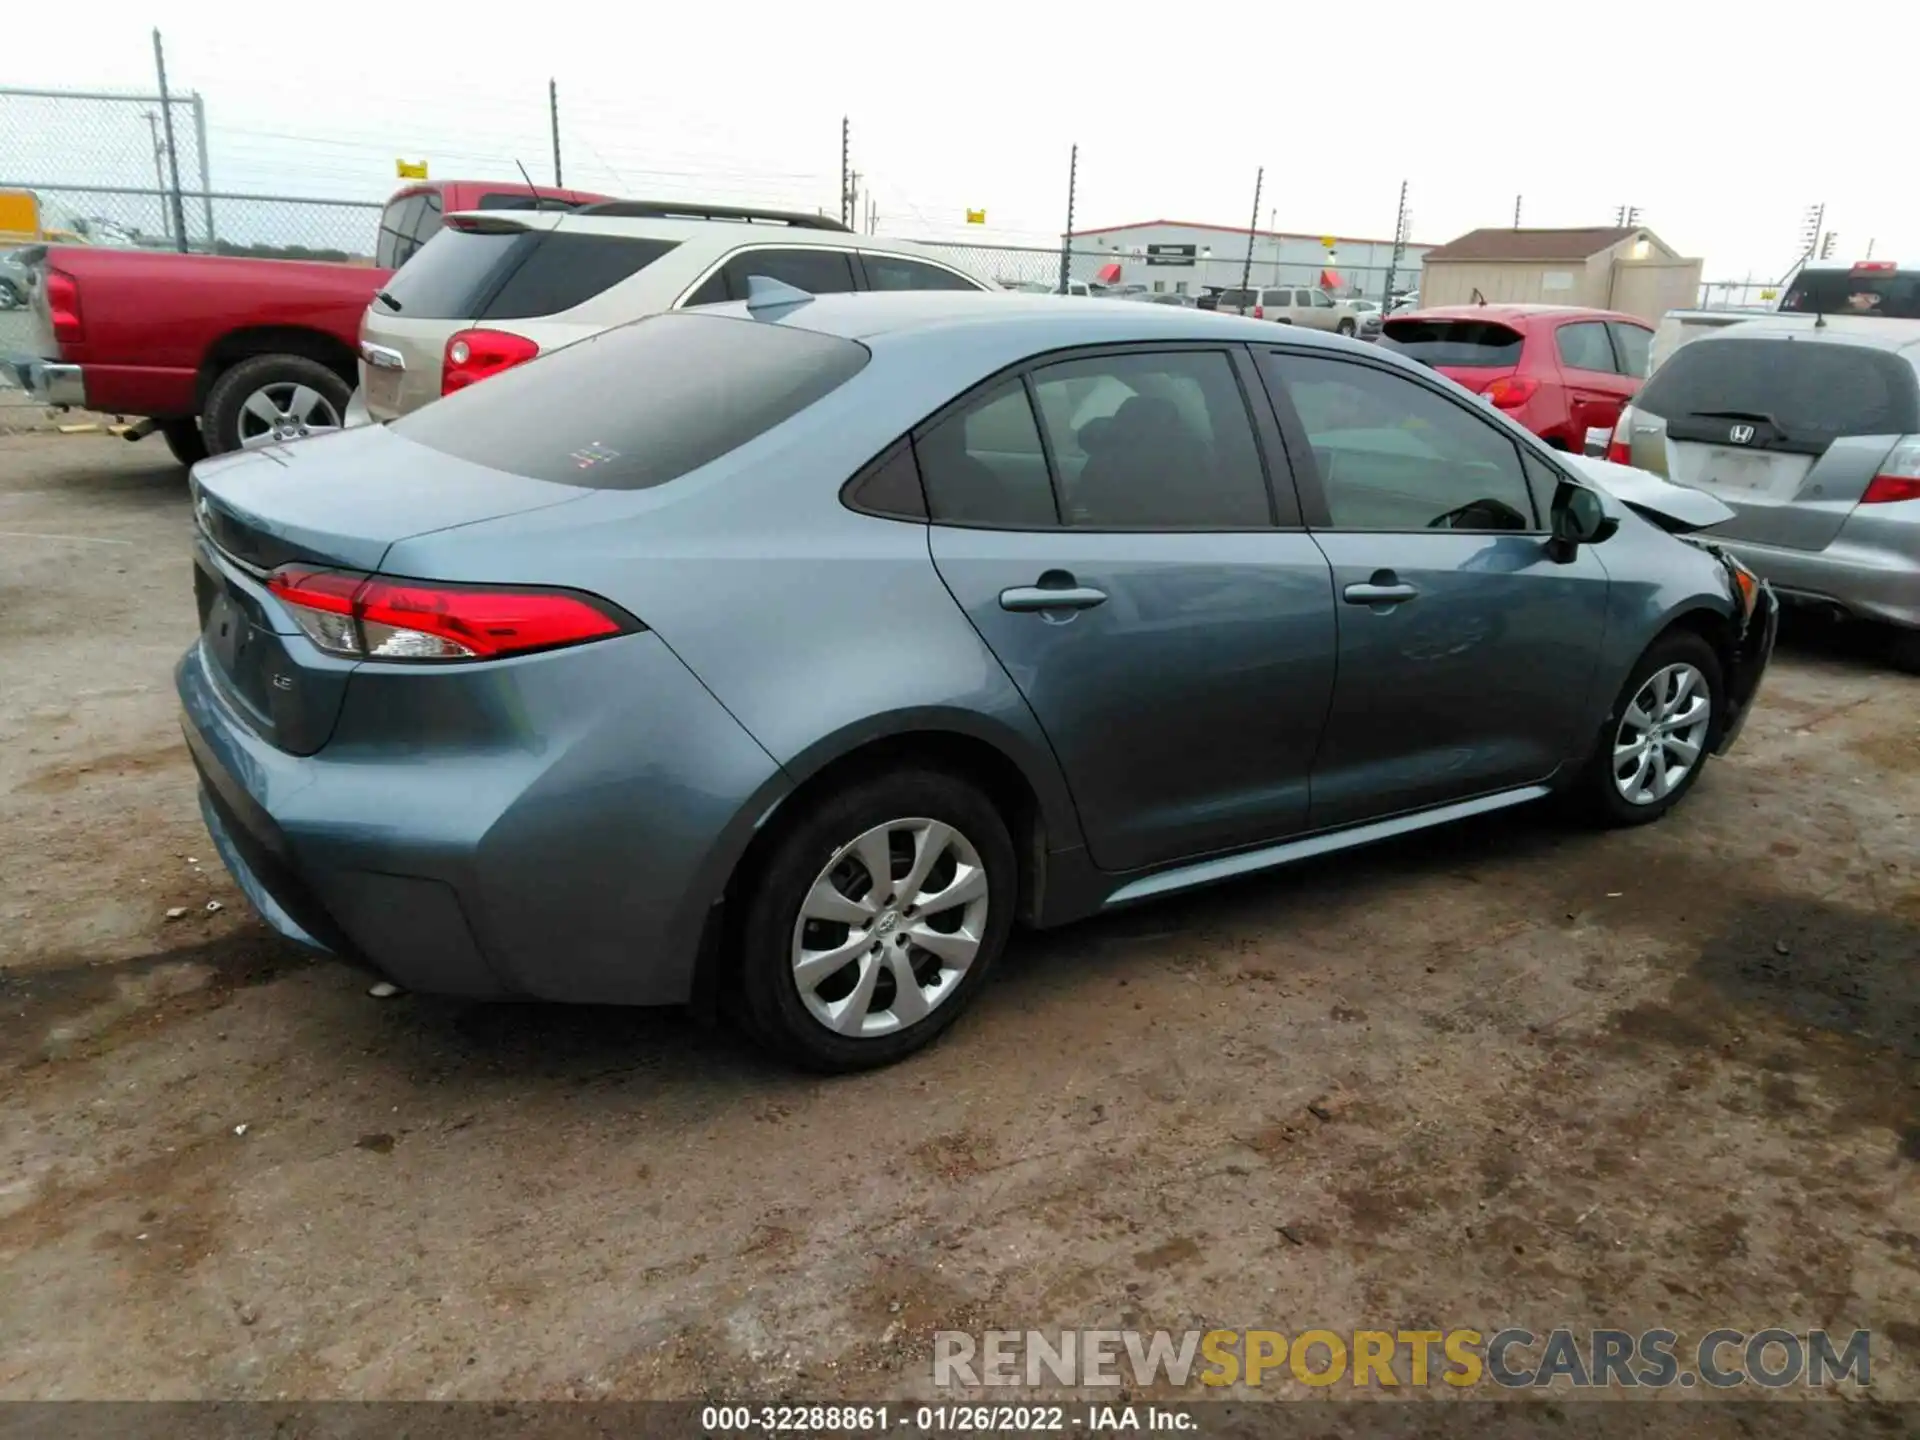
<point>1474,353</point>
<point>1788,431</point>
<point>1172,631</point>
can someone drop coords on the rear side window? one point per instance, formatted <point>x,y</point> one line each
<point>1892,294</point>
<point>818,272</point>
<point>896,272</point>
<point>1585,346</point>
<point>638,405</point>
<point>984,464</point>
<point>1635,345</point>
<point>1810,392</point>
<point>565,270</point>
<point>452,275</point>
<point>1464,343</point>
<point>1238,297</point>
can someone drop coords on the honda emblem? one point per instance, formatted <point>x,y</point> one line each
<point>1741,434</point>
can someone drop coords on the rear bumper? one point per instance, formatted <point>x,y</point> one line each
<point>1871,569</point>
<point>560,830</point>
<point>47,382</point>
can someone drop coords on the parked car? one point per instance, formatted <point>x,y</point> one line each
<point>1230,300</point>
<point>1812,438</point>
<point>15,280</point>
<point>785,653</point>
<point>493,290</point>
<point>1823,293</point>
<point>1559,370</point>
<point>1405,300</point>
<point>221,351</point>
<point>1307,306</point>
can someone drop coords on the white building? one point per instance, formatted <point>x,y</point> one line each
<point>1188,258</point>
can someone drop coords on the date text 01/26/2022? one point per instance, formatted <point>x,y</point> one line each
<point>936,1419</point>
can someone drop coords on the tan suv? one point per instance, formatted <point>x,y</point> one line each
<point>495,288</point>
<point>1306,306</point>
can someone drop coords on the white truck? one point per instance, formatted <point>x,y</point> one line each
<point>1820,291</point>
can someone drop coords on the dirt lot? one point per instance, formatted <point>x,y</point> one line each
<point>1515,1074</point>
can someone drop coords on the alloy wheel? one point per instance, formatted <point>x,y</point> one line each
<point>1662,734</point>
<point>889,927</point>
<point>283,411</point>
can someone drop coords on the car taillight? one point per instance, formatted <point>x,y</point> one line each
<point>475,354</point>
<point>1510,392</point>
<point>1259,312</point>
<point>1619,447</point>
<point>376,617</point>
<point>63,306</point>
<point>1899,477</point>
<point>1874,267</point>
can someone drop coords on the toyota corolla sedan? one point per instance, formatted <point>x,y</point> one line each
<point>784,655</point>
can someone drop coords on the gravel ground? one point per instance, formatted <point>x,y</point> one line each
<point>1515,1073</point>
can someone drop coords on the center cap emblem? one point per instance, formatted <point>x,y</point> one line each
<point>888,920</point>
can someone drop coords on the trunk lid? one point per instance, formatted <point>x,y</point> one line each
<point>1786,428</point>
<point>341,502</point>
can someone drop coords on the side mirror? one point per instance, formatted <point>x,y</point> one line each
<point>1578,518</point>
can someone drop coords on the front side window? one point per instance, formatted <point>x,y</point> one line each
<point>1585,346</point>
<point>1322,300</point>
<point>1393,455</point>
<point>1152,442</point>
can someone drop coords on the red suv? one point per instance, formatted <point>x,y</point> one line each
<point>1559,370</point>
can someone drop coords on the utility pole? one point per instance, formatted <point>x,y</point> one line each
<point>1253,228</point>
<point>553,119</point>
<point>1066,242</point>
<point>1399,249</point>
<point>173,155</point>
<point>1810,227</point>
<point>1626,216</point>
<point>846,172</point>
<point>152,117</point>
<point>1516,212</point>
<point>206,180</point>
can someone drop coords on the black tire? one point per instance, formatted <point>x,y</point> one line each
<point>771,1002</point>
<point>184,439</point>
<point>220,419</point>
<point>1595,792</point>
<point>1345,327</point>
<point>1903,650</point>
<point>10,296</point>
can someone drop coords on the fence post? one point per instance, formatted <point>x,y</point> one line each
<point>206,182</point>
<point>1253,228</point>
<point>1066,242</point>
<point>173,154</point>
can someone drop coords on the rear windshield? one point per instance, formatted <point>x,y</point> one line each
<point>1810,390</point>
<point>1465,343</point>
<point>1891,294</point>
<point>511,274</point>
<point>639,405</point>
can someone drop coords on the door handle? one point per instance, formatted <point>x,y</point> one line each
<point>1378,594</point>
<point>1057,590</point>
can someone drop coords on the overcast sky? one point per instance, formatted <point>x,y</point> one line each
<point>1577,107</point>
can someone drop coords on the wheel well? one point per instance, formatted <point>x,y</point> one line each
<point>965,756</point>
<point>1717,630</point>
<point>237,345</point>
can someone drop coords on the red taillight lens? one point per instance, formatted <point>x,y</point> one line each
<point>63,306</point>
<point>1510,392</point>
<point>374,617</point>
<point>1874,267</point>
<point>1619,450</point>
<point>1899,477</point>
<point>1887,488</point>
<point>475,354</point>
<point>1259,312</point>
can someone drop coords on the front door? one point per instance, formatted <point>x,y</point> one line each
<point>1174,641</point>
<point>1466,653</point>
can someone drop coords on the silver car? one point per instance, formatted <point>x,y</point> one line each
<point>1812,437</point>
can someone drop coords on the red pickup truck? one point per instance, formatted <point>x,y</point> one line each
<point>217,352</point>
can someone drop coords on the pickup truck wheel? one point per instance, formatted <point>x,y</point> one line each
<point>271,400</point>
<point>184,439</point>
<point>10,296</point>
<point>1345,327</point>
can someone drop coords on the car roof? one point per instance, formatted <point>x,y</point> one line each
<point>1045,321</point>
<point>674,227</point>
<point>1896,336</point>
